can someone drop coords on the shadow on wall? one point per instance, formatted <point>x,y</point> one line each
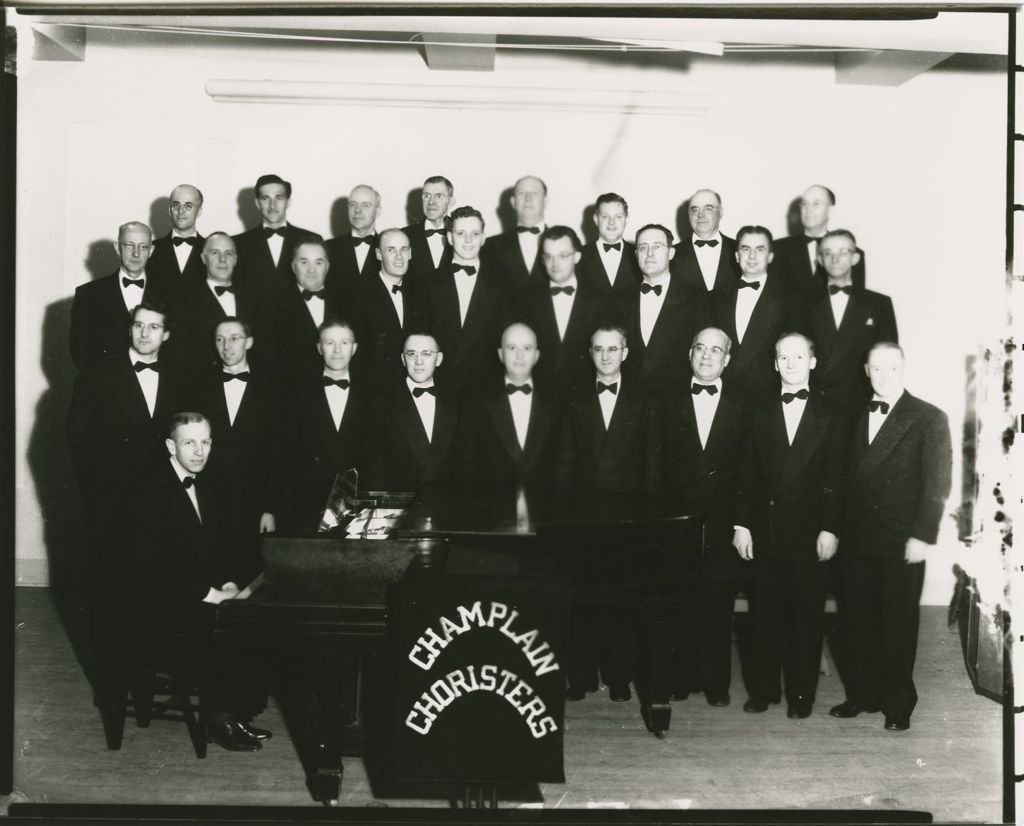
<point>339,218</point>
<point>248,214</point>
<point>102,259</point>
<point>414,206</point>
<point>683,228</point>
<point>506,212</point>
<point>794,226</point>
<point>159,217</point>
<point>588,229</point>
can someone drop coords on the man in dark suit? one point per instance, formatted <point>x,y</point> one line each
<point>898,476</point>
<point>467,303</point>
<point>265,252</point>
<point>562,311</point>
<point>352,255</point>
<point>516,253</point>
<point>610,443</point>
<point>412,427</point>
<point>706,260</point>
<point>788,515</point>
<point>754,311</point>
<point>509,429</point>
<point>609,265</point>
<point>431,250</point>
<point>328,419</point>
<point>184,567</point>
<point>176,256</point>
<point>797,255</point>
<point>703,419</point>
<point>100,313</point>
<point>845,322</point>
<point>664,314</point>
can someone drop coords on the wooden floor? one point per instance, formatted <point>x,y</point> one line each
<point>948,763</point>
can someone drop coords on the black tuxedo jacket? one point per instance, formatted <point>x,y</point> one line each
<point>378,330</point>
<point>489,453</point>
<point>896,487</point>
<point>100,320</point>
<point>422,265</point>
<point>164,263</point>
<point>789,493</point>
<point>256,268</point>
<point>625,457</point>
<point>505,254</point>
<point>794,266</point>
<point>319,451</point>
<point>663,362</point>
<point>344,275</point>
<point>197,312</point>
<point>564,362</point>
<point>591,271</point>
<point>470,349</point>
<point>751,367</point>
<point>841,353</point>
<point>687,268</point>
<point>401,457</point>
<point>293,339</point>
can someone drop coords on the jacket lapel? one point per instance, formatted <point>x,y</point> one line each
<point>897,422</point>
<point>411,425</point>
<point>498,409</point>
<point>809,433</point>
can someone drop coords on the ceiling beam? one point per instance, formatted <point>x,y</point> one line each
<point>58,42</point>
<point>439,52</point>
<point>884,68</point>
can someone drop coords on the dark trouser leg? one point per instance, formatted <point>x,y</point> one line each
<point>718,596</point>
<point>900,596</point>
<point>617,648</point>
<point>768,610</point>
<point>805,623</point>
<point>583,635</point>
<point>688,630</point>
<point>861,586</point>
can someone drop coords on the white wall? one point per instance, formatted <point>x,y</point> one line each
<point>918,169</point>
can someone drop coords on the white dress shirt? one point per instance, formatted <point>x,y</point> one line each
<point>131,295</point>
<point>793,411</point>
<point>705,406</point>
<point>190,491</point>
<point>337,399</point>
<point>148,380</point>
<point>839,302</point>
<point>746,300</point>
<point>464,285</point>
<point>225,299</point>
<point>396,298</point>
<point>611,259</point>
<point>651,303</point>
<point>276,243</point>
<point>234,390</point>
<point>435,242</point>
<point>315,306</point>
<point>362,250</point>
<point>877,418</point>
<point>426,405</point>
<point>708,258</point>
<point>562,304</point>
<point>528,244</point>
<point>182,251</point>
<point>607,399</point>
<point>521,405</point>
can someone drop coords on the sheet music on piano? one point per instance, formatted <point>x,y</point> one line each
<point>366,517</point>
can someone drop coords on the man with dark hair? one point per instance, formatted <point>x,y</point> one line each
<point>516,253</point>
<point>797,256</point>
<point>707,259</point>
<point>353,254</point>
<point>898,477</point>
<point>846,321</point>
<point>431,251</point>
<point>609,265</point>
<point>265,252</point>
<point>176,256</point>
<point>467,303</point>
<point>788,518</point>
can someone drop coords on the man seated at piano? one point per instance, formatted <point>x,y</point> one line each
<point>411,431</point>
<point>186,563</point>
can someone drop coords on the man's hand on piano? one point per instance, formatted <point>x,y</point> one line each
<point>743,542</point>
<point>229,587</point>
<point>215,596</point>
<point>267,523</point>
<point>827,545</point>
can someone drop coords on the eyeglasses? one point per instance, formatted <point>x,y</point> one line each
<point>153,327</point>
<point>843,253</point>
<point>601,351</point>
<point>714,349</point>
<point>709,209</point>
<point>657,246</point>
<point>435,196</point>
<point>411,354</point>
<point>237,338</point>
<point>136,248</point>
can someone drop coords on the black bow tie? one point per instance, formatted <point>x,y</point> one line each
<point>429,232</point>
<point>366,239</point>
<point>269,232</point>
<point>833,289</point>
<point>612,388</point>
<point>566,290</point>
<point>608,247</point>
<point>243,376</point>
<point>525,389</point>
<point>877,404</point>
<point>700,242</point>
<point>810,240</point>
<point>178,241</point>
<point>799,394</point>
<point>754,285</point>
<point>419,391</point>
<point>647,288</point>
<point>142,365</point>
<point>469,269</point>
<point>697,388</point>
<point>308,294</point>
<point>134,282</point>
<point>225,289</point>
<point>531,230</point>
<point>396,288</point>
<point>188,482</point>
<point>342,383</point>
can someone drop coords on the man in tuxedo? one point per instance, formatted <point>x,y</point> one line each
<point>663,315</point>
<point>707,260</point>
<point>176,256</point>
<point>431,250</point>
<point>898,476</point>
<point>610,443</point>
<point>508,428</point>
<point>562,311</point>
<point>516,253</point>
<point>467,304</point>
<point>328,419</point>
<point>609,265</point>
<point>100,313</point>
<point>788,515</point>
<point>352,255</point>
<point>265,252</point>
<point>846,321</point>
<point>704,419</point>
<point>797,255</point>
<point>184,567</point>
<point>412,428</point>
<point>754,311</point>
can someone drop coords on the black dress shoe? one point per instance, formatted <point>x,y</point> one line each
<point>620,693</point>
<point>799,710</point>
<point>753,706</point>
<point>718,700</point>
<point>253,731</point>
<point>849,709</point>
<point>232,736</point>
<point>573,693</point>
<point>896,722</point>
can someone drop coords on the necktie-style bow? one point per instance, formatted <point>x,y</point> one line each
<point>468,268</point>
<point>396,288</point>
<point>342,383</point>
<point>270,232</point>
<point>188,482</point>
<point>648,288</point>
<point>178,241</point>
<point>429,232</point>
<point>833,289</point>
<point>697,388</point>
<point>531,230</point>
<point>700,242</point>
<point>525,389</point>
<point>754,285</point>
<point>142,365</point>
<point>419,391</point>
<point>134,282</point>
<point>227,288</point>
<point>308,294</point>
<point>799,394</point>
<point>608,247</point>
<point>612,388</point>
<point>366,239</point>
<point>877,404</point>
<point>567,290</point>
<point>243,376</point>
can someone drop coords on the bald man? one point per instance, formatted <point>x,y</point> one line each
<point>176,256</point>
<point>707,259</point>
<point>517,252</point>
<point>353,260</point>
